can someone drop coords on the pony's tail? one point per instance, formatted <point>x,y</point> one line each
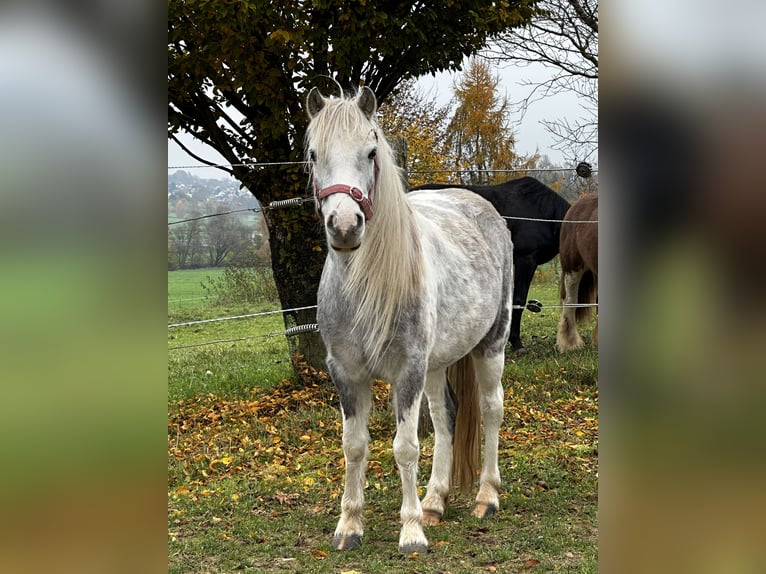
<point>466,442</point>
<point>586,294</point>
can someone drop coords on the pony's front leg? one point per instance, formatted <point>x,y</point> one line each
<point>407,399</point>
<point>355,400</point>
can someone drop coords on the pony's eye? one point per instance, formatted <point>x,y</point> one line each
<point>312,155</point>
<point>372,154</point>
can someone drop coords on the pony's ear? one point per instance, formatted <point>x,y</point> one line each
<point>367,102</point>
<point>314,102</point>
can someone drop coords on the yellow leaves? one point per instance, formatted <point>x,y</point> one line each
<point>321,554</point>
<point>413,556</point>
<point>226,461</point>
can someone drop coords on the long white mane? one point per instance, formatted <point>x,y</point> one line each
<point>385,272</point>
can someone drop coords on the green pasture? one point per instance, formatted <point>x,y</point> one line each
<point>255,464</point>
<point>185,289</point>
<point>228,368</point>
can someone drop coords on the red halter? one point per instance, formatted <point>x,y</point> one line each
<point>365,202</point>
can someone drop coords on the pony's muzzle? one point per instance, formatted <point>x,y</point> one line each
<point>344,230</point>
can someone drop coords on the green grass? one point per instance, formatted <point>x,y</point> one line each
<point>225,369</point>
<point>185,288</point>
<point>255,465</point>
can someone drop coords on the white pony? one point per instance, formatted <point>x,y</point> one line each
<point>413,284</point>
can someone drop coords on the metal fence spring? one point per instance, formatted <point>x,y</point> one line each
<point>297,330</point>
<point>286,202</point>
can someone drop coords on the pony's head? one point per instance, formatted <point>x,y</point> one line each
<point>342,146</point>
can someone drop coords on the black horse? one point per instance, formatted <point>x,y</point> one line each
<point>534,242</point>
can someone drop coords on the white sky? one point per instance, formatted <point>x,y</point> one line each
<point>530,134</point>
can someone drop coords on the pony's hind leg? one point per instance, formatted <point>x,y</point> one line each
<point>567,337</point>
<point>441,405</point>
<point>489,372</point>
<point>355,406</point>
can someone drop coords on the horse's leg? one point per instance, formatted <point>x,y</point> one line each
<point>489,371</point>
<point>524,271</point>
<point>407,396</point>
<point>567,337</point>
<point>441,404</point>
<point>355,400</point>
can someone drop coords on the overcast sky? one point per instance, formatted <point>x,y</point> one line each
<point>530,134</point>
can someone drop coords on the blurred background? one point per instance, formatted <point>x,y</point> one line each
<point>82,287</point>
<point>681,119</point>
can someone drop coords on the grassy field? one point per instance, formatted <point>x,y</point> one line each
<point>185,288</point>
<point>255,464</point>
<point>229,369</point>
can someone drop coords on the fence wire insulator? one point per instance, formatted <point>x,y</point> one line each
<point>286,202</point>
<point>584,169</point>
<point>300,329</point>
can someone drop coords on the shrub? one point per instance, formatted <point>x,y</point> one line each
<point>241,285</point>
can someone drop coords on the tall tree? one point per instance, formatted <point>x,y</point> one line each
<point>226,237</point>
<point>412,116</point>
<point>563,36</point>
<point>479,137</point>
<point>238,72</point>
<point>186,242</point>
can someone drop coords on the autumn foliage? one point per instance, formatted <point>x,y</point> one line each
<point>290,435</point>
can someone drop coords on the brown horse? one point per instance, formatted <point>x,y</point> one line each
<point>578,252</point>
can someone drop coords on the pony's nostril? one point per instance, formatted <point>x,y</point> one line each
<point>359,220</point>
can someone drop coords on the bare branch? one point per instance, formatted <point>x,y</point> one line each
<point>198,158</point>
<point>564,38</point>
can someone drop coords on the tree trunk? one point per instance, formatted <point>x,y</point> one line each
<point>297,256</point>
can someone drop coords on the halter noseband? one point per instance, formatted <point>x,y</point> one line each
<point>356,194</point>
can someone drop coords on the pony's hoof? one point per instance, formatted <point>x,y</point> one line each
<point>409,549</point>
<point>484,510</point>
<point>347,542</point>
<point>431,517</point>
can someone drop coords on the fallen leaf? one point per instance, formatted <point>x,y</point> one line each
<point>530,564</point>
<point>319,554</point>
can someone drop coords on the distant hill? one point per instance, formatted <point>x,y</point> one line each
<point>188,193</point>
